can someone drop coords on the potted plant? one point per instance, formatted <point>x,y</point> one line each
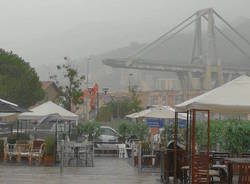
<point>50,151</point>
<point>92,129</point>
<point>79,132</point>
<point>11,139</point>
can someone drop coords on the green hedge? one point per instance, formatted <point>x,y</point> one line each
<point>139,129</point>
<point>233,135</point>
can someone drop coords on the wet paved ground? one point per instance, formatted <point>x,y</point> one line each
<point>106,171</point>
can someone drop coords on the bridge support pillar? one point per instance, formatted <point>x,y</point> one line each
<point>185,79</point>
<point>213,77</point>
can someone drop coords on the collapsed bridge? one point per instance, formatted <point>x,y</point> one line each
<point>204,64</point>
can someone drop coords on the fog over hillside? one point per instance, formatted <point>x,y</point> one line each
<point>76,44</point>
<point>43,32</point>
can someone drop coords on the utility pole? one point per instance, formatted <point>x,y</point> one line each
<point>97,102</point>
<point>87,86</point>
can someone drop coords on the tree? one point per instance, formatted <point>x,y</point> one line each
<point>135,102</point>
<point>124,128</point>
<point>18,80</point>
<point>140,130</point>
<point>69,88</point>
<point>105,113</point>
<point>120,108</point>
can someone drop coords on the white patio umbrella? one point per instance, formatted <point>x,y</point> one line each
<point>158,112</point>
<point>138,114</point>
<point>232,98</point>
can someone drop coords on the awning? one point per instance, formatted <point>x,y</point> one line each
<point>232,97</point>
<point>46,109</point>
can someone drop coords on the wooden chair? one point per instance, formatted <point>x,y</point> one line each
<point>200,170</point>
<point>147,155</point>
<point>37,152</point>
<point>218,164</point>
<point>10,151</point>
<point>182,165</point>
<point>244,174</point>
<point>218,158</point>
<point>23,151</point>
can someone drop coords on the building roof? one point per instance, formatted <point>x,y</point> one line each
<point>46,84</point>
<point>8,107</point>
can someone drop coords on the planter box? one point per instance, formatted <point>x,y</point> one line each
<point>1,155</point>
<point>235,169</point>
<point>49,160</point>
<point>135,161</point>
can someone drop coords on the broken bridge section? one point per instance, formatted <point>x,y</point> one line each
<point>205,65</point>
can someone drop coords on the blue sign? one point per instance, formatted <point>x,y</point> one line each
<point>182,123</point>
<point>155,123</point>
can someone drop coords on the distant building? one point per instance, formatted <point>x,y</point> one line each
<point>158,97</point>
<point>149,98</point>
<point>50,89</point>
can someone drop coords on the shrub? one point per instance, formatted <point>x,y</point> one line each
<point>232,135</point>
<point>79,129</point>
<point>90,128</point>
<point>168,132</point>
<point>11,139</point>
<point>236,136</point>
<point>139,129</point>
<point>1,147</point>
<point>124,128</point>
<point>50,146</point>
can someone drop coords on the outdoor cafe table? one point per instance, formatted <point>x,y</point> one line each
<point>77,149</point>
<point>235,161</point>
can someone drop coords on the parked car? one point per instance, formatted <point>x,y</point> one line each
<point>108,134</point>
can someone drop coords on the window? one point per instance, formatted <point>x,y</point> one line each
<point>153,100</point>
<point>164,100</point>
<point>107,131</point>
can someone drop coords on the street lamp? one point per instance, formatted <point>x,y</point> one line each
<point>105,90</point>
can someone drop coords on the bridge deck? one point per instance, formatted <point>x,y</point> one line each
<point>120,63</point>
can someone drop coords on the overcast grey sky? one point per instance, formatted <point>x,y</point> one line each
<point>32,28</point>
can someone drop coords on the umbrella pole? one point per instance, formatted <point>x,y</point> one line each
<point>187,131</point>
<point>190,142</point>
<point>175,147</point>
<point>56,136</point>
<point>17,128</point>
<point>193,145</point>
